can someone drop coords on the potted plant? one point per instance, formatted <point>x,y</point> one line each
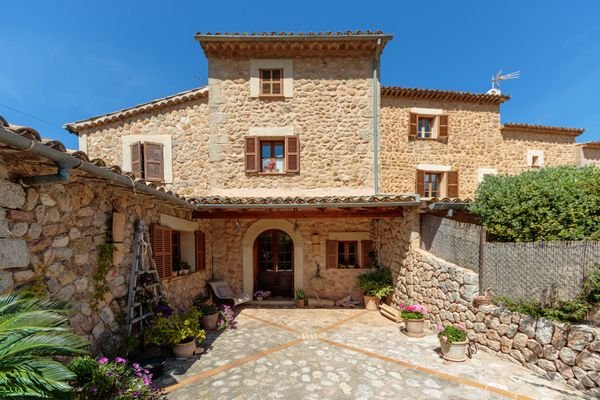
<point>375,284</point>
<point>176,268</point>
<point>414,319</point>
<point>453,341</point>
<point>181,331</point>
<point>210,316</point>
<point>300,298</point>
<point>261,294</point>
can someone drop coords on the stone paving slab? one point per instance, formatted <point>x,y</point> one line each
<point>371,332</point>
<point>342,354</point>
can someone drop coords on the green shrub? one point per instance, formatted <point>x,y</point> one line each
<point>377,282</point>
<point>557,203</point>
<point>176,328</point>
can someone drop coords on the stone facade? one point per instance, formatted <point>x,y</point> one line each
<point>50,237</point>
<point>475,140</point>
<point>558,351</point>
<point>228,262</point>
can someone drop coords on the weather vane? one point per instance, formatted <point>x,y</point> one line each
<point>496,79</point>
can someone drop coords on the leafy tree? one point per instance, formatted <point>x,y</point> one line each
<point>32,331</point>
<point>557,203</point>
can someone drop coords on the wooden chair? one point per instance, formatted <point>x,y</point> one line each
<point>223,292</point>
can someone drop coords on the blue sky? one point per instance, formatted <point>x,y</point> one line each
<point>68,60</point>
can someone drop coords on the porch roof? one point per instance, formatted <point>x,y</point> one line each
<point>388,205</point>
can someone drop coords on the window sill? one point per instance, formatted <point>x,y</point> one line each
<point>179,277</point>
<point>271,97</point>
<point>351,269</point>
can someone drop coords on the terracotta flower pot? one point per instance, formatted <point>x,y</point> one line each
<point>300,302</point>
<point>210,322</point>
<point>456,351</point>
<point>371,303</point>
<point>184,350</point>
<point>414,327</point>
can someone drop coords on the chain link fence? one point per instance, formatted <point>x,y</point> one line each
<point>538,271</point>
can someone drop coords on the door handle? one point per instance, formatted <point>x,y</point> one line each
<point>276,267</point>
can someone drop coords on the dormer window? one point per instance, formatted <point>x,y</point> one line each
<point>271,82</point>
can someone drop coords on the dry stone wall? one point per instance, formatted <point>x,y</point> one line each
<point>558,351</point>
<point>50,238</point>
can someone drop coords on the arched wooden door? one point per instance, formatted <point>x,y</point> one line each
<point>274,263</point>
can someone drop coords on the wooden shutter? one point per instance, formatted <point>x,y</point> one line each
<point>412,127</point>
<point>153,162</point>
<point>136,159</point>
<point>292,154</point>
<point>443,129</point>
<point>366,248</point>
<point>420,183</point>
<point>200,238</point>
<point>452,184</point>
<point>162,249</point>
<point>332,254</point>
<point>251,154</point>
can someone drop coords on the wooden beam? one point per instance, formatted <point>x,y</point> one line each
<point>300,213</point>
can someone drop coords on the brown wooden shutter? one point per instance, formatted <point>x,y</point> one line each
<point>332,253</point>
<point>443,129</point>
<point>162,249</point>
<point>420,183</point>
<point>452,184</point>
<point>200,250</point>
<point>136,159</point>
<point>292,154</point>
<point>412,129</point>
<point>153,162</point>
<point>367,247</point>
<point>251,156</point>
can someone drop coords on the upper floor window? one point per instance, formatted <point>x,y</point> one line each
<point>272,155</point>
<point>428,126</point>
<point>437,183</point>
<point>147,161</point>
<point>271,81</point>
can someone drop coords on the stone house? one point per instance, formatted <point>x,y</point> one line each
<point>293,162</point>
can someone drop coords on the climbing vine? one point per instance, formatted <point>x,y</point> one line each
<point>105,260</point>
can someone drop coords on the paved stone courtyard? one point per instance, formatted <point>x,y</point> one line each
<point>342,354</point>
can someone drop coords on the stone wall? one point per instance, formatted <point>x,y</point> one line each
<point>186,123</point>
<point>50,237</point>
<point>474,141</point>
<point>338,282</point>
<point>558,351</point>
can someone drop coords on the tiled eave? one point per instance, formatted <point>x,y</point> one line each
<point>290,44</point>
<point>219,202</point>
<point>590,145</point>
<point>442,95</point>
<point>553,130</point>
<point>164,102</point>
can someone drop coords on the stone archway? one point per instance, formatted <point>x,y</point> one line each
<point>248,251</point>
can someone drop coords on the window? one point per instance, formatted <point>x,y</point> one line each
<point>271,82</point>
<point>171,247</point>
<point>344,254</point>
<point>425,127</point>
<point>347,254</point>
<point>272,155</point>
<point>428,127</point>
<point>147,161</point>
<point>535,158</point>
<point>437,183</point>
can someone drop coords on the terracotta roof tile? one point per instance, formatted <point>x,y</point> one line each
<point>252,35</point>
<point>557,130</point>
<point>290,202</point>
<point>443,95</point>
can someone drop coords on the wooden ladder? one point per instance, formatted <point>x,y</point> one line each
<point>136,314</point>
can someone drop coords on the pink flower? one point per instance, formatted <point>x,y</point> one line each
<point>445,338</point>
<point>462,326</point>
<point>439,328</point>
<point>120,360</point>
<point>103,360</point>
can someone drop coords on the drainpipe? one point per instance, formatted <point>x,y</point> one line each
<point>376,94</point>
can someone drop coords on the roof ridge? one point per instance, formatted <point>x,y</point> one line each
<point>539,128</point>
